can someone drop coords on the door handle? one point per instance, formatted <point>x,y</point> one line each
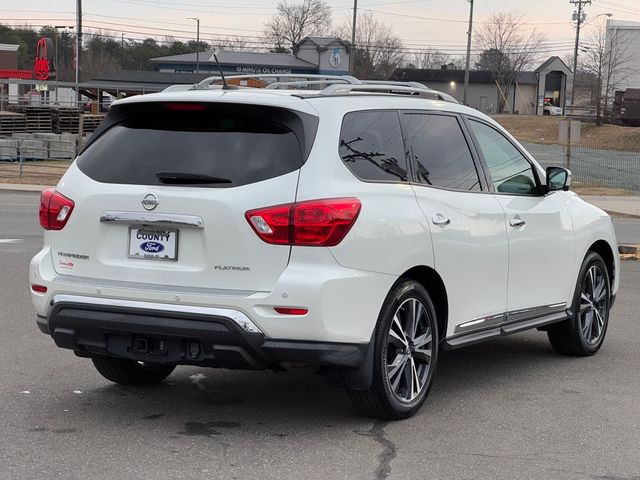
<point>517,222</point>
<point>439,219</point>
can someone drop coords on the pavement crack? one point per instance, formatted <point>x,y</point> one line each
<point>389,449</point>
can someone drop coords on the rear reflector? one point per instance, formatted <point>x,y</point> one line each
<point>55,209</point>
<point>39,288</point>
<point>314,223</point>
<point>291,311</point>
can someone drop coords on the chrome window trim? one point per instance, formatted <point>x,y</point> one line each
<point>236,316</point>
<point>155,219</point>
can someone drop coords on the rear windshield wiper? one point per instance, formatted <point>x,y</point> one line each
<point>179,178</point>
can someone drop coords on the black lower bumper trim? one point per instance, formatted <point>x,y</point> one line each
<point>192,339</point>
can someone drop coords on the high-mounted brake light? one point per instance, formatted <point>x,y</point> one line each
<point>185,107</point>
<point>314,223</point>
<point>55,209</point>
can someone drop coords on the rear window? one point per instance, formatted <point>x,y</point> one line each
<point>371,146</point>
<point>197,144</point>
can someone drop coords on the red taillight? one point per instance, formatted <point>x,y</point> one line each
<point>55,209</point>
<point>291,311</point>
<point>314,223</point>
<point>39,288</point>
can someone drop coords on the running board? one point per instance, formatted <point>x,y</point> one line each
<point>466,339</point>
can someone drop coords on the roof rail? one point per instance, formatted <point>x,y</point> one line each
<point>277,77</point>
<point>388,89</point>
<point>306,83</point>
<point>392,82</point>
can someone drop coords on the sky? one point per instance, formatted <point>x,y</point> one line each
<point>437,24</point>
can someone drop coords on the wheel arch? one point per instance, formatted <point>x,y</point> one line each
<point>604,249</point>
<point>432,282</point>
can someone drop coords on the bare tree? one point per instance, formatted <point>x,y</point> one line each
<point>295,21</point>
<point>377,52</point>
<point>609,60</point>
<point>504,35</point>
<point>429,59</point>
<point>236,44</point>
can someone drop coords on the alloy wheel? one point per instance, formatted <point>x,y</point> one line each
<point>409,350</point>
<point>594,302</point>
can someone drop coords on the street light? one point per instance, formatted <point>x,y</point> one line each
<point>580,16</point>
<point>197,42</point>
<point>56,28</point>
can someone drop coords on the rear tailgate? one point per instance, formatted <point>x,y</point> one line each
<point>160,197</point>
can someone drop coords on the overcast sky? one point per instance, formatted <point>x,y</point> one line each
<point>439,24</point>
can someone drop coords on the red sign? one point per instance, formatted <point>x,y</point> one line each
<point>43,68</point>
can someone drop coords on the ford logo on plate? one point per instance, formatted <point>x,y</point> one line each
<point>153,247</point>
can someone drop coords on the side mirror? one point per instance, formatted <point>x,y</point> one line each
<point>558,178</point>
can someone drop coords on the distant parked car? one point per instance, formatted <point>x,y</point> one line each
<point>552,110</point>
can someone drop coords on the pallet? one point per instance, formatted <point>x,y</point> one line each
<point>90,122</point>
<point>11,122</point>
<point>66,119</point>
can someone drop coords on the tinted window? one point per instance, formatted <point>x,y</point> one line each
<point>371,146</point>
<point>212,145</point>
<point>510,171</point>
<point>440,151</point>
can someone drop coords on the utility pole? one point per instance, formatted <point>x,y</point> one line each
<point>78,46</point>
<point>465,96</point>
<point>579,17</point>
<point>197,42</point>
<point>352,58</point>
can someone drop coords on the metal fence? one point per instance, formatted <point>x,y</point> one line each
<point>593,167</point>
<point>36,158</point>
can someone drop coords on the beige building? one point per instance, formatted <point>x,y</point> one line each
<point>628,34</point>
<point>550,83</point>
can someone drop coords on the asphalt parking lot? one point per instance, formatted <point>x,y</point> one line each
<point>510,409</point>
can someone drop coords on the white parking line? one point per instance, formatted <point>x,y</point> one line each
<point>11,240</point>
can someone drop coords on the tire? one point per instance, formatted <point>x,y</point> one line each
<point>546,113</point>
<point>399,354</point>
<point>130,372</point>
<point>583,334</point>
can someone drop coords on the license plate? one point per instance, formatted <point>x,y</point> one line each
<point>153,244</point>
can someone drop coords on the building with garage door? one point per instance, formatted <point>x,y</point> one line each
<point>549,84</point>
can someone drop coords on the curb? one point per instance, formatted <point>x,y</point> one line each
<point>629,252</point>
<point>622,215</point>
<point>23,187</point>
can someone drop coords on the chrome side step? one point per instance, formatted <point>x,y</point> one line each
<point>507,328</point>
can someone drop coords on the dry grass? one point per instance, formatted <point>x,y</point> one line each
<point>539,129</point>
<point>34,173</point>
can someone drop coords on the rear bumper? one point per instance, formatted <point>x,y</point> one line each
<point>176,334</point>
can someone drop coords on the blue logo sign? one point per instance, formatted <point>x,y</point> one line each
<point>152,247</point>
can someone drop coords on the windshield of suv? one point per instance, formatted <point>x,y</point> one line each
<point>198,145</point>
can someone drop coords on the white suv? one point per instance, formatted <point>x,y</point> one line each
<point>358,231</point>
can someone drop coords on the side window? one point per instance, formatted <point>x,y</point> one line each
<point>440,152</point>
<point>510,171</point>
<point>371,146</point>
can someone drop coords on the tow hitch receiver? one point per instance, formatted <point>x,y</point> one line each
<point>147,346</point>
